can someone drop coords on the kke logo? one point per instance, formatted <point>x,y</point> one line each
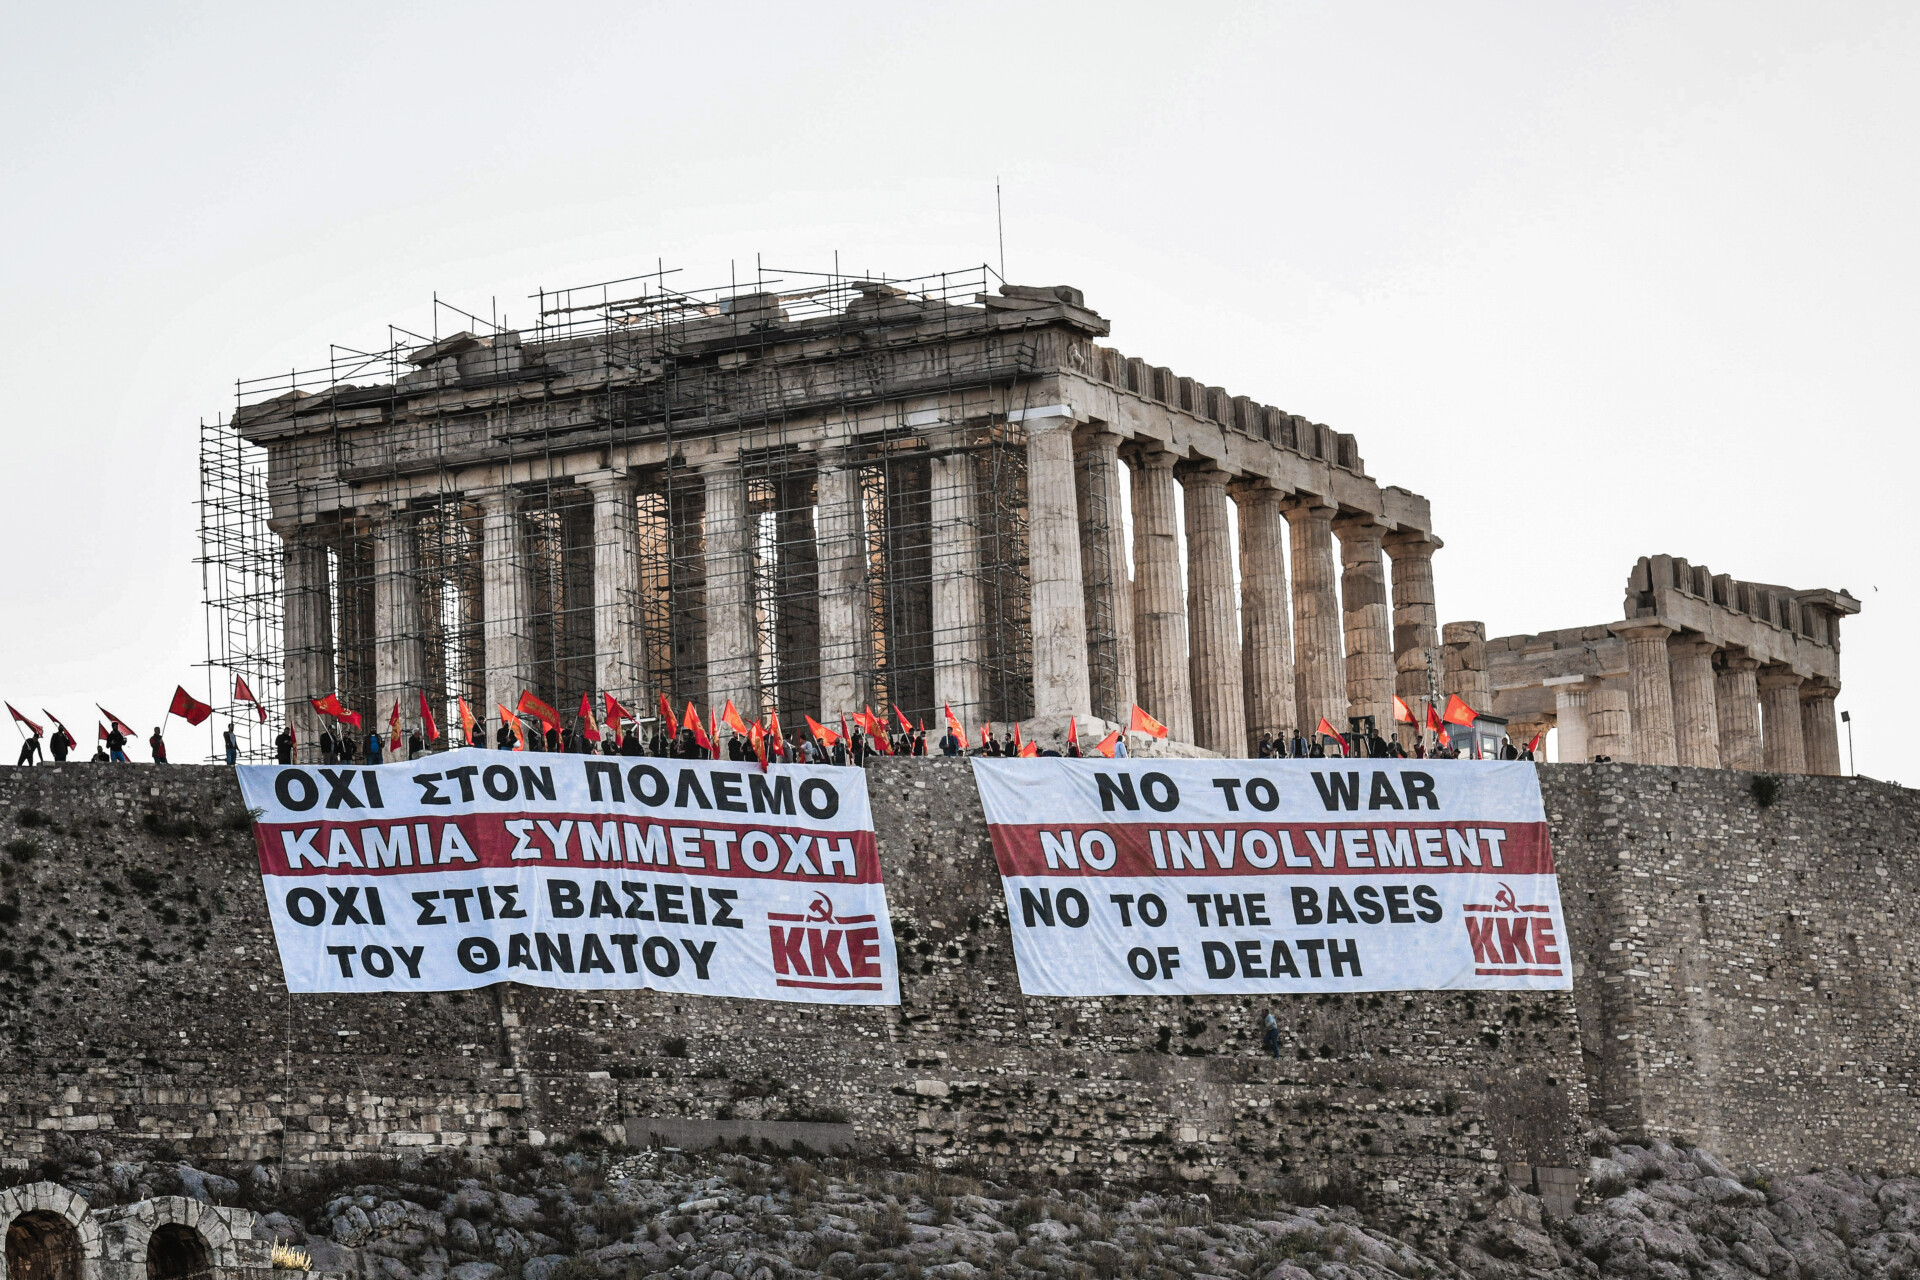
<point>1511,938</point>
<point>824,951</point>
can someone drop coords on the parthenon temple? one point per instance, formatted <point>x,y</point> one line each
<point>813,497</point>
<point>1702,670</point>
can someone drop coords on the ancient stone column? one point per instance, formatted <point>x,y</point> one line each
<point>1103,563</point>
<point>845,645</point>
<point>1819,731</point>
<point>733,641</point>
<point>307,633</point>
<point>1651,692</point>
<point>1783,744</point>
<point>1466,676</point>
<point>1266,625</point>
<point>1059,608</point>
<point>1369,622</point>
<point>1213,629</point>
<point>1416,623</point>
<point>1696,724</point>
<point>506,588</point>
<point>619,664</point>
<point>1319,664</point>
<point>1736,701</point>
<point>398,651</point>
<point>959,635</point>
<point>1570,719</point>
<point>1609,725</point>
<point>1160,613</point>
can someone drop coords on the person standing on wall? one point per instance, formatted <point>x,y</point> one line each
<point>158,745</point>
<point>231,741</point>
<point>373,747</point>
<point>283,746</point>
<point>29,749</point>
<point>116,745</point>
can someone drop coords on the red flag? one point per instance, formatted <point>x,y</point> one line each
<point>1106,744</point>
<point>1073,732</point>
<point>699,730</point>
<point>821,734</point>
<point>427,722</point>
<point>186,706</point>
<point>1401,712</point>
<point>905,724</point>
<point>37,730</point>
<point>1144,723</point>
<point>777,739</point>
<point>1016,737</point>
<point>1446,739</point>
<point>327,706</point>
<point>1328,730</point>
<point>879,740</point>
<point>1433,720</point>
<point>120,724</point>
<point>513,722</point>
<point>393,722</point>
<point>953,726</point>
<point>1030,749</point>
<point>65,732</point>
<point>758,741</point>
<point>986,733</point>
<point>843,729</point>
<point>732,718</point>
<point>1533,743</point>
<point>532,706</point>
<point>241,693</point>
<point>1459,712</point>
<point>102,735</point>
<point>666,715</point>
<point>467,722</point>
<point>588,728</point>
<point>615,714</point>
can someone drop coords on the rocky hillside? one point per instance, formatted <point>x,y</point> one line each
<point>584,1212</point>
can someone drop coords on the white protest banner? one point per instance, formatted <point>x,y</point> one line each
<point>1189,877</point>
<point>475,867</point>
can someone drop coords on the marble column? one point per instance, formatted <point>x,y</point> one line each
<point>845,642</point>
<point>619,665</point>
<point>1696,724</point>
<point>1466,676</point>
<point>398,651</point>
<point>1213,629</point>
<point>1819,731</point>
<point>1319,664</point>
<point>307,633</point>
<point>1650,686</point>
<point>1570,721</point>
<point>733,641</point>
<point>506,587</point>
<point>1736,701</point>
<point>959,635</point>
<point>1059,605</point>
<point>1109,591</point>
<point>1368,622</point>
<point>1416,624</point>
<point>1609,725</point>
<point>1160,614</point>
<point>1266,624</point>
<point>1783,744</point>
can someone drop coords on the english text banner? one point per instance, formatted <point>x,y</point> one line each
<point>474,867</point>
<point>1170,877</point>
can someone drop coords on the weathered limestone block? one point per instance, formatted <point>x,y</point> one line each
<point>1319,666</point>
<point>1368,622</point>
<point>1060,684</point>
<point>1819,732</point>
<point>1266,632</point>
<point>1696,726</point>
<point>1109,589</point>
<point>1650,691</point>
<point>1416,623</point>
<point>619,661</point>
<point>1215,674</point>
<point>1783,735</point>
<point>1736,700</point>
<point>1466,658</point>
<point>958,640</point>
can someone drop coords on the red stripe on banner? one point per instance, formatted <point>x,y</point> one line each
<point>828,986</point>
<point>1075,850</point>
<point>471,842</point>
<point>1519,973</point>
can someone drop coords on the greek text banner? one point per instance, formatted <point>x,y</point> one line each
<point>475,867</point>
<point>1188,877</point>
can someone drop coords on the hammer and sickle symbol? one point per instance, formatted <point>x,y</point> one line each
<point>821,909</point>
<point>1503,900</point>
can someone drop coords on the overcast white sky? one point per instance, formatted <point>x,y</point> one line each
<point>1601,280</point>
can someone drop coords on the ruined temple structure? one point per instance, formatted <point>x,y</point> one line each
<point>1702,670</point>
<point>854,492</point>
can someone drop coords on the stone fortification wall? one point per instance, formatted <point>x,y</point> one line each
<point>143,1002</point>
<point>1745,970</point>
<point>1767,1017</point>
